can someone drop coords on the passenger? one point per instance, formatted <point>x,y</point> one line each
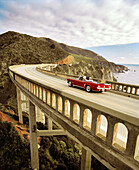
<point>87,78</point>
<point>90,78</point>
<point>84,78</point>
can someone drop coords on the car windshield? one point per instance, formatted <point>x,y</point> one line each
<point>80,78</point>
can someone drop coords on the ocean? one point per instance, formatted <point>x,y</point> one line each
<point>131,76</point>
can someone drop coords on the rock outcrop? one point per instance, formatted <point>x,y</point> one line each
<point>94,71</point>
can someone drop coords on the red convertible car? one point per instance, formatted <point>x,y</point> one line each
<point>88,84</point>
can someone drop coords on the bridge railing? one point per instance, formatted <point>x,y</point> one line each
<point>129,89</point>
<point>112,135</point>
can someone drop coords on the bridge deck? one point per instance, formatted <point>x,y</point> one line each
<point>113,103</point>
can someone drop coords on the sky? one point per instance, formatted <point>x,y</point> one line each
<point>107,27</point>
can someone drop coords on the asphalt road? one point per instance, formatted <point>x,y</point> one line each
<point>125,105</point>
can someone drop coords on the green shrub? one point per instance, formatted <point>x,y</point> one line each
<point>61,153</point>
<point>14,152</point>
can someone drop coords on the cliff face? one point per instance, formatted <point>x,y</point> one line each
<point>94,71</point>
<point>16,48</point>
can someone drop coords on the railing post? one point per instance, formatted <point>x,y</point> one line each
<point>38,92</point>
<point>81,115</point>
<point>131,142</point>
<point>110,130</point>
<point>56,95</point>
<point>19,102</point>
<point>122,88</point>
<point>63,105</point>
<point>119,86</point>
<point>127,87</point>
<point>41,93</point>
<point>85,160</point>
<point>51,98</point>
<point>71,109</point>
<point>94,121</point>
<point>131,90</point>
<point>136,89</point>
<point>33,137</point>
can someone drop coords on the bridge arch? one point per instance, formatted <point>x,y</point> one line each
<point>60,102</point>
<point>120,136</point>
<point>44,95</point>
<point>87,120</point>
<point>48,97</point>
<point>53,100</point>
<point>101,127</point>
<point>76,113</point>
<point>67,108</point>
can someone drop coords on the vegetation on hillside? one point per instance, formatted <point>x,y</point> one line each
<point>59,153</point>
<point>54,152</point>
<point>14,151</point>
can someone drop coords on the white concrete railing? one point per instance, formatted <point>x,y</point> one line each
<point>129,89</point>
<point>98,128</point>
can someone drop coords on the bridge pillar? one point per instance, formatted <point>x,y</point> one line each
<point>50,124</point>
<point>33,137</point>
<point>40,117</point>
<point>85,160</point>
<point>19,103</point>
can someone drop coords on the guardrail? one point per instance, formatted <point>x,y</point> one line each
<point>124,88</point>
<point>109,134</point>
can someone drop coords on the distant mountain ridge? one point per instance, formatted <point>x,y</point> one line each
<point>77,50</point>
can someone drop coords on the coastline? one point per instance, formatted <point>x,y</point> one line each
<point>130,76</point>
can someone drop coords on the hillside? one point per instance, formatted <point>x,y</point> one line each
<point>77,51</point>
<point>18,48</point>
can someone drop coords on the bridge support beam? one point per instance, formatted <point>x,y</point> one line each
<point>33,137</point>
<point>85,160</point>
<point>19,103</point>
<point>50,132</point>
<point>50,124</point>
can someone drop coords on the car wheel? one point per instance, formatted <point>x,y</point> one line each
<point>88,89</point>
<point>70,84</point>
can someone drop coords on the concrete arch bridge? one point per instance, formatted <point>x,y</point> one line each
<point>106,125</point>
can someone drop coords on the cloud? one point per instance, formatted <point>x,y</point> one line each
<point>83,23</point>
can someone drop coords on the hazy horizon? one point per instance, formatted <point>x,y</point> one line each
<point>119,54</point>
